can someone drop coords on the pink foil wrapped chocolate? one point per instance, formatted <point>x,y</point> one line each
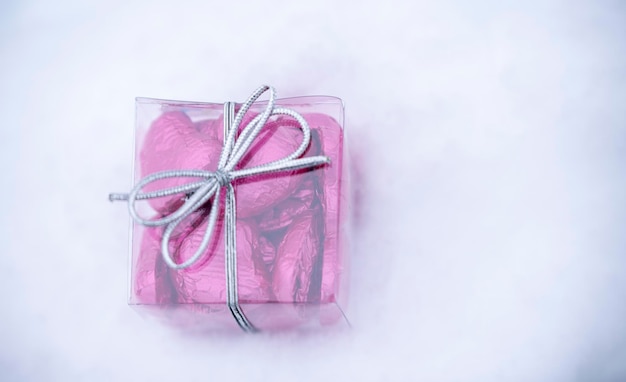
<point>205,280</point>
<point>173,142</point>
<point>289,232</point>
<point>296,258</point>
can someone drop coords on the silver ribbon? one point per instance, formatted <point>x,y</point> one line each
<point>211,183</point>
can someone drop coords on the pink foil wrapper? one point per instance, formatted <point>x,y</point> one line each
<point>296,257</point>
<point>205,281</point>
<point>151,276</point>
<point>289,237</point>
<point>332,145</point>
<point>172,142</point>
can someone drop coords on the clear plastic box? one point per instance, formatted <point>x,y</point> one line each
<point>292,228</point>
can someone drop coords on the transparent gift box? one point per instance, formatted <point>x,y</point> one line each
<point>291,227</point>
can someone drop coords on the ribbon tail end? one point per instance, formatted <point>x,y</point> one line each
<point>114,197</point>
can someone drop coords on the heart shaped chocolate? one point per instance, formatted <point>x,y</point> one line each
<point>173,143</point>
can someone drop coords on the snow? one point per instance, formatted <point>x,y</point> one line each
<point>488,143</point>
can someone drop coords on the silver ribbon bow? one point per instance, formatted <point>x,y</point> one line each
<point>235,148</point>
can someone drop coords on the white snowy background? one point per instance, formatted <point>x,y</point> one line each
<point>490,208</point>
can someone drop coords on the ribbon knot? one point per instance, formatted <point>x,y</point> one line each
<point>222,178</point>
<point>199,192</point>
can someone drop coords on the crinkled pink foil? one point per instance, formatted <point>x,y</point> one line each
<point>267,250</point>
<point>151,279</point>
<point>172,143</point>
<point>331,137</point>
<point>332,145</point>
<point>205,281</point>
<point>296,258</point>
<point>292,271</point>
<point>282,214</point>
